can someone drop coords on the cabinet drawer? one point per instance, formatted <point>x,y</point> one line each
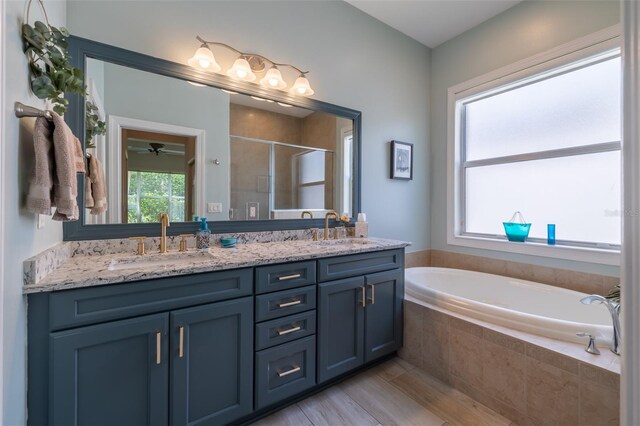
<point>335,268</point>
<point>285,370</point>
<point>92,305</point>
<point>282,303</point>
<point>282,330</point>
<point>282,277</point>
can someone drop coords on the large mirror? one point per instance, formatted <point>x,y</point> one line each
<point>247,161</point>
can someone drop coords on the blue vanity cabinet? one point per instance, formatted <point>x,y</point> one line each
<point>340,327</point>
<point>111,374</point>
<point>383,314</point>
<point>359,314</point>
<point>175,351</point>
<point>212,363</point>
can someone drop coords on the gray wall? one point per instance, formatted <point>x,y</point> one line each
<point>520,32</point>
<point>21,239</point>
<point>355,61</point>
<point>137,94</point>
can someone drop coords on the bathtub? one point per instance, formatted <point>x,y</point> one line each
<point>517,304</point>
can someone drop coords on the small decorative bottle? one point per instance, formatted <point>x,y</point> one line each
<point>362,227</point>
<point>203,236</point>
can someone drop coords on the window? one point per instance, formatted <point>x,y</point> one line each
<point>152,193</point>
<point>547,144</point>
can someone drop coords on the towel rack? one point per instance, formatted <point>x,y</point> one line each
<point>23,110</point>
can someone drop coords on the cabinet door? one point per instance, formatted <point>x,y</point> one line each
<point>383,315</point>
<point>340,327</point>
<point>111,374</point>
<point>212,363</point>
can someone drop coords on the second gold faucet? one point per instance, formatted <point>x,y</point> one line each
<point>164,223</point>
<point>326,224</point>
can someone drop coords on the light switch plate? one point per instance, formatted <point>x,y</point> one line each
<point>41,221</point>
<point>214,207</point>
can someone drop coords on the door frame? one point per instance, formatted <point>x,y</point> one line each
<point>114,158</point>
<point>630,268</point>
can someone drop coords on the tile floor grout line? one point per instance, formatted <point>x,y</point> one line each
<point>359,405</point>
<point>305,414</point>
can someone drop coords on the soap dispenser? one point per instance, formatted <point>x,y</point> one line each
<point>362,227</point>
<point>203,235</point>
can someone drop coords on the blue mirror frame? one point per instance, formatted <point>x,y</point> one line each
<point>80,49</point>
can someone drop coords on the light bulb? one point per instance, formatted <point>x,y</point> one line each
<point>273,79</point>
<point>302,87</point>
<point>241,70</point>
<point>204,59</point>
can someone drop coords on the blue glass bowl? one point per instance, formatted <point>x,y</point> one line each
<point>229,242</point>
<point>516,231</point>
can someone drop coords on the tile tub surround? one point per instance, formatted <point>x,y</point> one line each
<point>88,263</point>
<point>528,379</point>
<point>573,280</point>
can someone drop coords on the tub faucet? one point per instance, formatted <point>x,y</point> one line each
<point>615,318</point>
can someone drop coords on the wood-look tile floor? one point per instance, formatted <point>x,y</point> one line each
<point>393,393</point>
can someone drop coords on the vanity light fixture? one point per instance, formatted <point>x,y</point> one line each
<point>246,65</point>
<point>204,59</point>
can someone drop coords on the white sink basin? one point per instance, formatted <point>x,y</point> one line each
<point>167,260</point>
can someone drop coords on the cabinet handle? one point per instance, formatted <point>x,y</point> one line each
<point>289,277</point>
<point>295,369</point>
<point>373,294</point>
<point>181,346</point>
<point>290,330</point>
<point>158,348</point>
<point>363,300</point>
<point>287,304</point>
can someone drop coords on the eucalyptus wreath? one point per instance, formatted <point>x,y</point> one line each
<point>50,72</point>
<point>93,125</point>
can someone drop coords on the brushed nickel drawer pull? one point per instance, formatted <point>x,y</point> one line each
<point>158,348</point>
<point>364,297</point>
<point>295,369</point>
<point>290,330</point>
<point>181,348</point>
<point>289,277</point>
<point>373,294</point>
<point>287,304</point>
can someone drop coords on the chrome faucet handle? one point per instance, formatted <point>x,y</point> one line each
<point>591,346</point>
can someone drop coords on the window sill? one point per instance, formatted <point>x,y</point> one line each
<point>580,254</point>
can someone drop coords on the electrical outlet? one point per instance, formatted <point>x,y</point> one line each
<point>214,207</point>
<point>253,210</point>
<point>41,221</point>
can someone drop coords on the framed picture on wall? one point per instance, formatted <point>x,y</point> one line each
<point>401,160</point>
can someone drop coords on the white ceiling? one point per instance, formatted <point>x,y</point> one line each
<point>432,22</point>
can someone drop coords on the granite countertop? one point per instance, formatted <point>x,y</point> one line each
<point>93,270</point>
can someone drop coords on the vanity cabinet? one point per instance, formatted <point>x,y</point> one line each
<point>209,348</point>
<point>360,318</point>
<point>110,374</point>
<point>211,363</point>
<point>181,364</point>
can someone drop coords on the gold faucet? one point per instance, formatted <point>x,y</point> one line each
<point>164,222</point>
<point>326,223</point>
<point>306,212</point>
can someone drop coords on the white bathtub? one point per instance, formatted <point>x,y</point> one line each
<point>517,304</point>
